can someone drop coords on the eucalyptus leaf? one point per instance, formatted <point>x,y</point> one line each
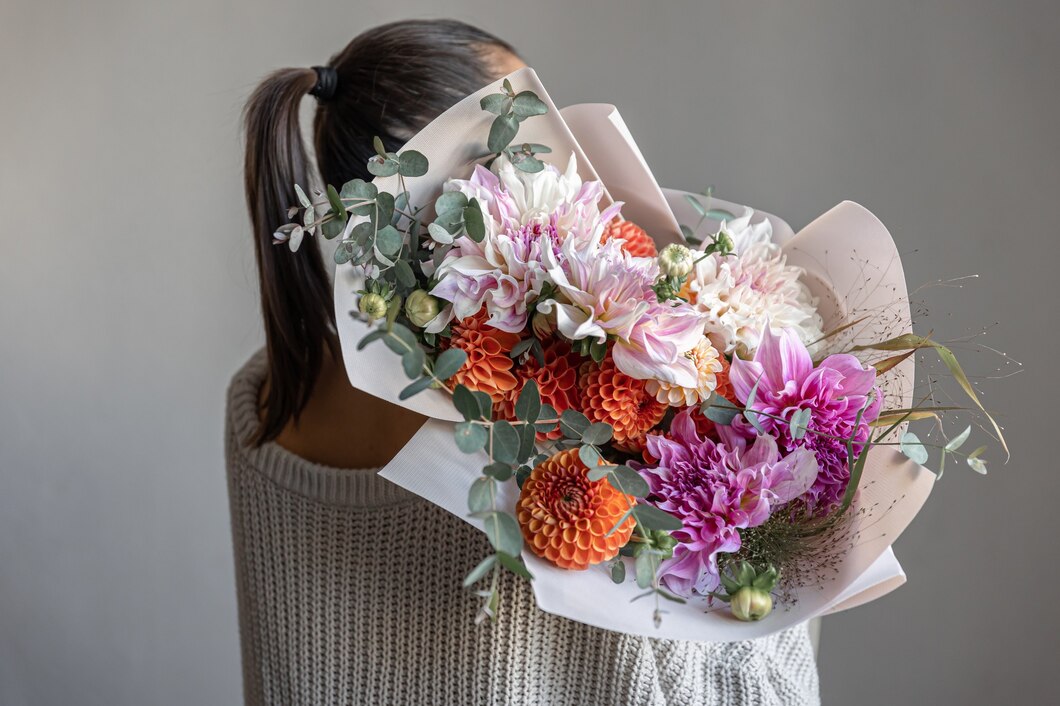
<point>721,415</point>
<point>597,433</point>
<point>589,455</point>
<point>332,228</point>
<point>502,132</point>
<point>528,405</point>
<point>439,234</point>
<point>405,276</point>
<point>630,482</point>
<point>378,146</point>
<point>485,404</point>
<point>618,571</point>
<point>343,253</point>
<point>527,104</point>
<point>480,495</point>
<point>370,337</point>
<point>498,471</point>
<point>388,240</point>
<point>412,164</point>
<point>496,103</point>
<point>480,571</point>
<point>573,424</point>
<point>527,439</point>
<point>694,203</point>
<point>653,518</point>
<point>530,165</point>
<point>415,388</point>
<point>358,189</point>
<point>384,213</point>
<point>413,362</point>
<point>506,442</point>
<point>515,565</point>
<point>799,423</point>
<point>474,222</point>
<point>503,533</point>
<point>598,473</point>
<point>450,201</point>
<point>449,362</point>
<point>465,402</point>
<point>302,198</point>
<point>382,167</point>
<point>957,441</point>
<point>470,437</point>
<point>646,565</point>
<point>913,449</point>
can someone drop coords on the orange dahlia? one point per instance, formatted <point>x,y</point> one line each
<point>488,367</point>
<point>557,381</point>
<point>611,396</point>
<point>565,517</point>
<point>638,242</point>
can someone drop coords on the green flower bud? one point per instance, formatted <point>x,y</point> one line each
<point>751,603</point>
<point>676,261</point>
<point>372,305</point>
<point>725,244</point>
<point>421,308</point>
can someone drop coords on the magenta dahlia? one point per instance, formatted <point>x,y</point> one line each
<point>834,391</point>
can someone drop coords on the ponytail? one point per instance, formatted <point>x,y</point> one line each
<point>296,300</point>
<point>360,91</point>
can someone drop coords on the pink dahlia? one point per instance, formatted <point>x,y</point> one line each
<point>834,392</point>
<point>604,293</point>
<point>716,489</point>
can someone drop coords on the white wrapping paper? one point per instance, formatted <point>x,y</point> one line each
<point>837,250</point>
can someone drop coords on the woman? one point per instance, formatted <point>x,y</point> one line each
<point>349,587</point>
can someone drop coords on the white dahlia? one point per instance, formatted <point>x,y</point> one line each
<point>754,285</point>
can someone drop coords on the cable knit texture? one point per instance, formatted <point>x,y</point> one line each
<point>350,593</point>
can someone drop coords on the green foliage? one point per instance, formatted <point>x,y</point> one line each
<point>528,405</point>
<point>573,424</point>
<point>449,362</point>
<point>503,532</point>
<point>912,447</point>
<point>652,517</point>
<point>412,164</point>
<point>470,437</point>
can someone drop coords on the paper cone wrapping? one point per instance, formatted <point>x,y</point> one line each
<point>851,265</point>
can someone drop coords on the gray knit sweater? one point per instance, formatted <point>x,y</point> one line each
<point>350,593</point>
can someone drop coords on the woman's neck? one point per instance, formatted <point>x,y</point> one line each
<point>345,427</point>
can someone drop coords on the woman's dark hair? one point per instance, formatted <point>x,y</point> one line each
<point>391,81</point>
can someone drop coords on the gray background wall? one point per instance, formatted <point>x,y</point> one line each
<point>127,296</point>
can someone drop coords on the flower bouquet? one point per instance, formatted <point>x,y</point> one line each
<point>633,393</point>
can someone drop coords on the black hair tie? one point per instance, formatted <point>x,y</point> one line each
<point>327,82</point>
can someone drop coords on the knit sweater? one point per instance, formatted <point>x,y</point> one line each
<point>350,592</point>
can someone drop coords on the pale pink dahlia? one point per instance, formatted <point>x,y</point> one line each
<point>740,292</point>
<point>525,214</point>
<point>602,291</point>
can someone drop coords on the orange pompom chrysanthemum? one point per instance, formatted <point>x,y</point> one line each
<point>557,383</point>
<point>611,396</point>
<point>638,242</point>
<point>565,517</point>
<point>488,367</point>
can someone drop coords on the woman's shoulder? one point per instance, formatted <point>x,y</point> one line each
<point>243,396</point>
